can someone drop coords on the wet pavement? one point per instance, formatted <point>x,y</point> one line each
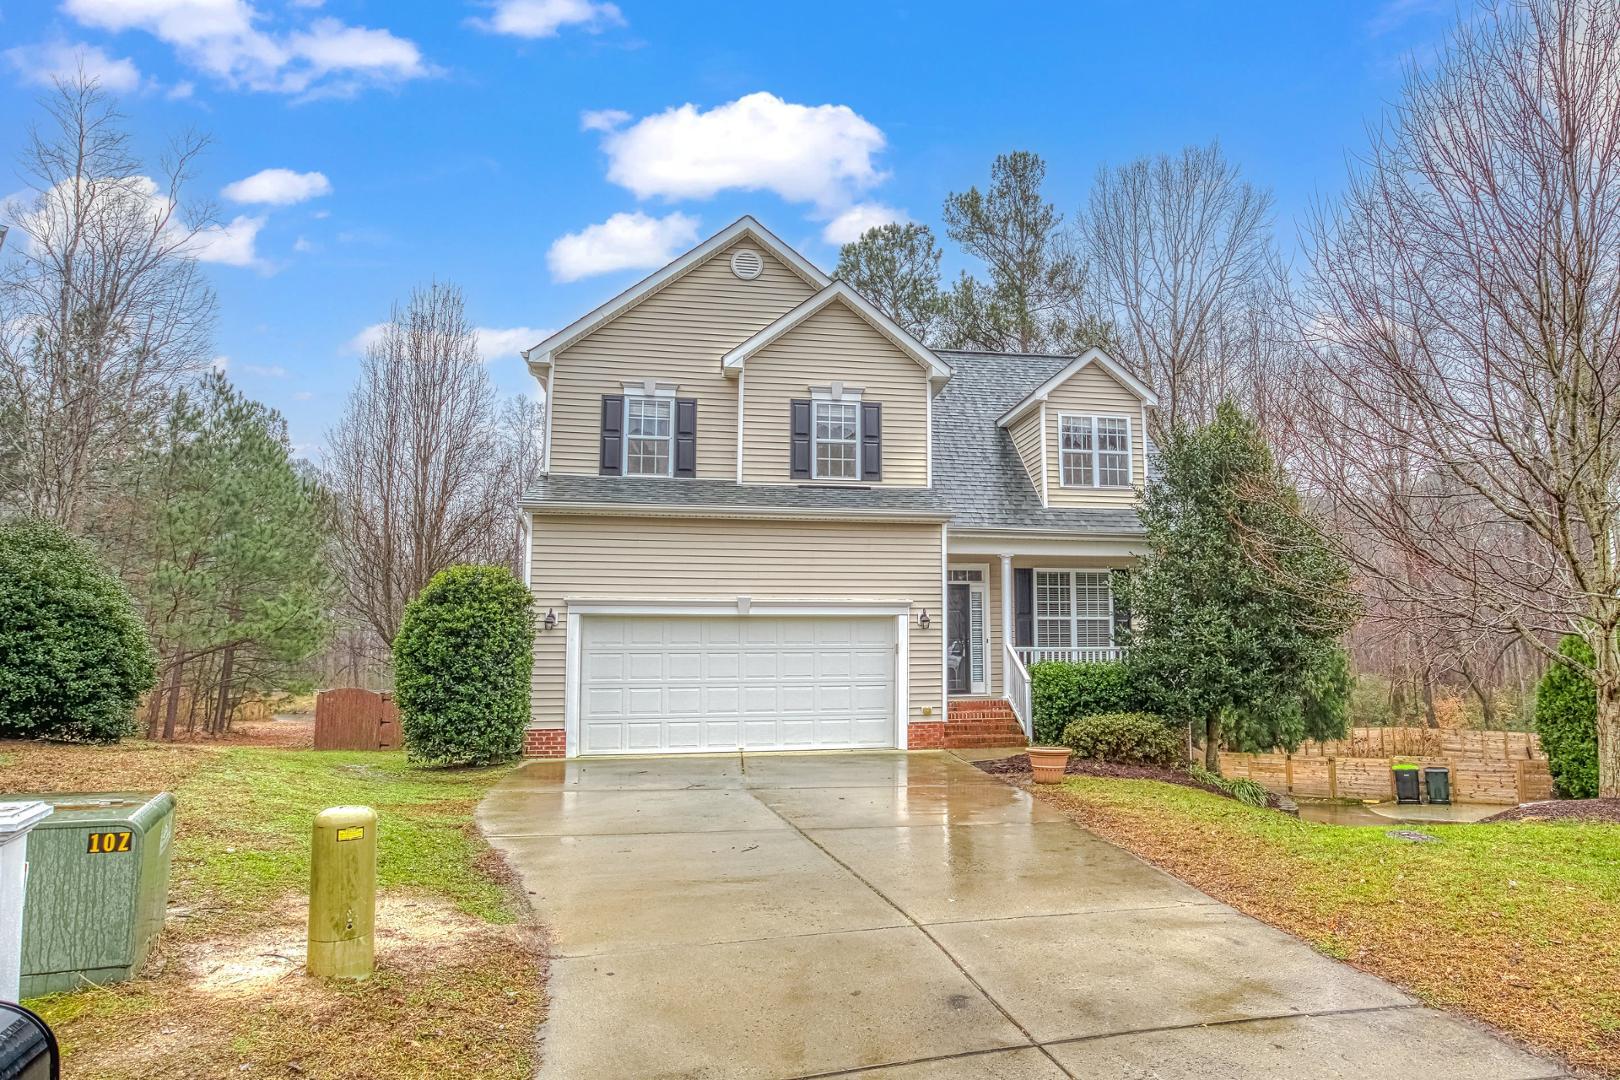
<point>906,916</point>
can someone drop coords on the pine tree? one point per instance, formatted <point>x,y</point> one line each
<point>1239,606</point>
<point>896,268</point>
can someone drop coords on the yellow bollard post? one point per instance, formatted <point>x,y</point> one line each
<point>343,892</point>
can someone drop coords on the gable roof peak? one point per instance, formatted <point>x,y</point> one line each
<point>540,355</point>
<point>937,369</point>
<point>1091,356</point>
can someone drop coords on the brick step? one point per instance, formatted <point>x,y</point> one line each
<point>983,742</point>
<point>984,710</point>
<point>983,718</point>
<point>978,703</point>
<point>988,727</point>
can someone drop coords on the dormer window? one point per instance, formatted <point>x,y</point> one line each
<point>1094,451</point>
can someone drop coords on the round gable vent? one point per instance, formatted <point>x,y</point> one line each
<point>747,264</point>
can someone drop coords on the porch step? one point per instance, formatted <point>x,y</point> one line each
<point>980,723</point>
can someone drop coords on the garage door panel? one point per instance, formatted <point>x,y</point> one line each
<point>707,683</point>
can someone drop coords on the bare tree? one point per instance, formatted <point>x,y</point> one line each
<point>1181,249</point>
<point>106,311</point>
<point>1466,318</point>
<point>417,465</point>
<point>522,433</point>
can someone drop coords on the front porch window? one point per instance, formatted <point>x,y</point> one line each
<point>1074,609</point>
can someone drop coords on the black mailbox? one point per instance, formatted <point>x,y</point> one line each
<point>27,1047</point>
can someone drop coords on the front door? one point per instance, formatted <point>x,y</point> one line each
<point>958,647</point>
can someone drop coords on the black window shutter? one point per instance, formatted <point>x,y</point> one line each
<point>1117,581</point>
<point>799,446</point>
<point>1023,608</point>
<point>612,434</point>
<point>871,440</point>
<point>686,437</point>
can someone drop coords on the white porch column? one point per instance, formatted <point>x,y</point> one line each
<point>1006,617</point>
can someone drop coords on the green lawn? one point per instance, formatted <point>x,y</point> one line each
<point>458,985</point>
<point>1516,923</point>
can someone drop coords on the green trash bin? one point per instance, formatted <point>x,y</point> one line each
<point>98,888</point>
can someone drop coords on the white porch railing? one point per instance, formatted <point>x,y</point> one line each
<point>1018,690</point>
<point>1087,654</point>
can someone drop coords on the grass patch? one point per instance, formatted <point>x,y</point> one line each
<point>1515,923</point>
<point>458,984</point>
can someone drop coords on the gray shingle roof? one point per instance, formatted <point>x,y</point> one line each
<point>613,491</point>
<point>976,468</point>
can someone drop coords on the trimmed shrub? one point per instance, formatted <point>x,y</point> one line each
<point>1131,738</point>
<point>1566,718</point>
<point>74,656</point>
<point>462,662</point>
<point>1062,692</point>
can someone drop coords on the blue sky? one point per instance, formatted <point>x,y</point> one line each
<point>543,154</point>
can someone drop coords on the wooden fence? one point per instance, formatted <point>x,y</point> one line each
<point>1415,742</point>
<point>349,718</point>
<point>1313,776</point>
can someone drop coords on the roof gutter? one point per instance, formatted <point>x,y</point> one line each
<point>762,513</point>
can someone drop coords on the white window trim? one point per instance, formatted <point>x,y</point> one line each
<point>1096,452</point>
<point>662,392</point>
<point>1074,619</point>
<point>836,394</point>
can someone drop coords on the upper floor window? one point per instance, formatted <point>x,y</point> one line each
<point>649,429</point>
<point>1094,451</point>
<point>837,439</point>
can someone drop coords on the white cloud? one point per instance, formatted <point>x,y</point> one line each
<point>265,371</point>
<point>45,63</point>
<point>366,338</point>
<point>220,363</point>
<point>278,187</point>
<point>231,243</point>
<point>304,395</point>
<point>1395,14</point>
<point>493,344</point>
<point>634,241</point>
<point>848,226</point>
<point>602,119</point>
<point>303,246</point>
<point>225,38</point>
<point>543,18</point>
<point>819,154</point>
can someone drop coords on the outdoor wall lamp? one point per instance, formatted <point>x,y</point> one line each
<point>923,621</point>
<point>550,621</point>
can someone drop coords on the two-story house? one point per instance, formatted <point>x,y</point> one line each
<point>771,519</point>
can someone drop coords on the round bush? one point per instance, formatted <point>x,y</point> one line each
<point>1131,738</point>
<point>1566,718</point>
<point>74,656</point>
<point>462,661</point>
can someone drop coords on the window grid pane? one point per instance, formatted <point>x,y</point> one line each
<point>1075,446</point>
<point>649,432</point>
<point>836,440</point>
<point>1073,609</point>
<point>1113,451</point>
<point>1054,624</point>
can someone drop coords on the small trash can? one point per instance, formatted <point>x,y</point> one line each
<point>1437,781</point>
<point>1407,785</point>
<point>98,888</point>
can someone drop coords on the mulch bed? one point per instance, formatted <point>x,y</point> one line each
<point>1602,810</point>
<point>1017,768</point>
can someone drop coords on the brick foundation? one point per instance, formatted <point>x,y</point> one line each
<point>545,742</point>
<point>925,735</point>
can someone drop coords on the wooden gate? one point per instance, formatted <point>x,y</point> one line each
<point>349,718</point>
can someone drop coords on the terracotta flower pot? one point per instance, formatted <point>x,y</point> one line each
<point>1048,762</point>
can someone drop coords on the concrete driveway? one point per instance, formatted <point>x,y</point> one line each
<point>904,917</point>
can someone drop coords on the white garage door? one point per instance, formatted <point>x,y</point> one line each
<point>707,683</point>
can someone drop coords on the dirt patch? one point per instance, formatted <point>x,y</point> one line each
<point>452,996</point>
<point>287,731</point>
<point>1593,810</point>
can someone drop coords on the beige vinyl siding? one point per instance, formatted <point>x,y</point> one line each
<point>678,334</point>
<point>834,345</point>
<point>1092,392</point>
<point>656,559</point>
<point>1026,439</point>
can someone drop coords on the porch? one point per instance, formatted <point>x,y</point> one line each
<point>1043,599</point>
